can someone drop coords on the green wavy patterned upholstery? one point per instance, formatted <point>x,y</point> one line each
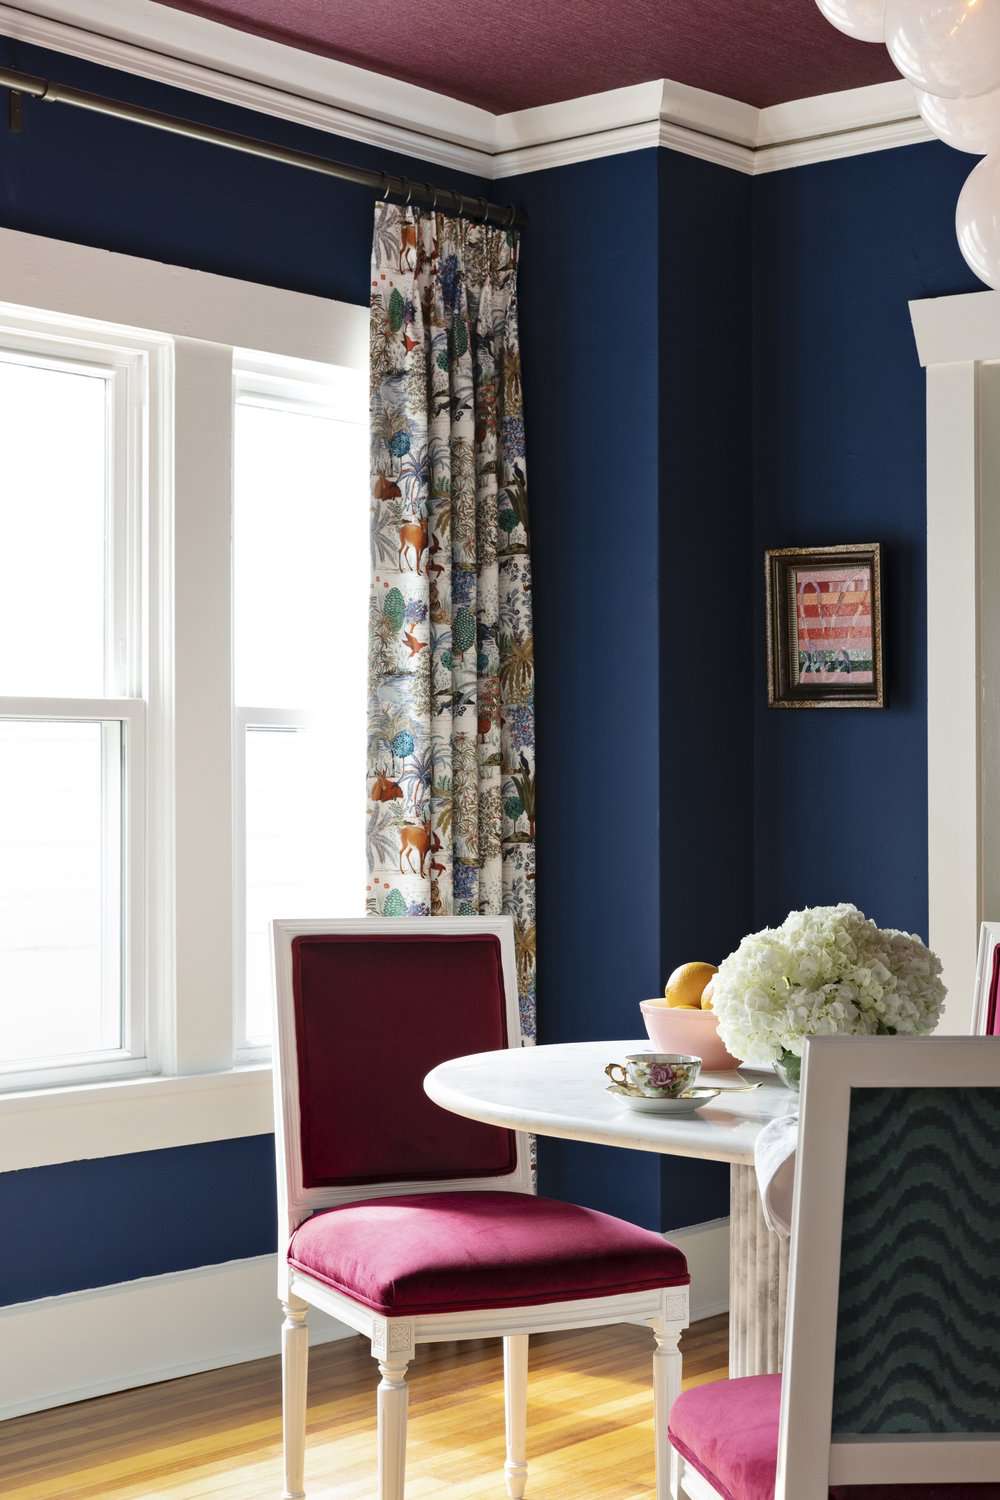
<point>918,1323</point>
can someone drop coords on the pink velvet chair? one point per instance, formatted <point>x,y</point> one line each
<point>412,1225</point>
<point>891,1388</point>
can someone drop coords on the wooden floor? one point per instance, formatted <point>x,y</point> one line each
<point>219,1434</point>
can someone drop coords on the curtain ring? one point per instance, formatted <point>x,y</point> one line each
<point>409,192</point>
<point>430,192</point>
<point>512,216</point>
<point>434,203</point>
<point>388,186</point>
<point>460,200</point>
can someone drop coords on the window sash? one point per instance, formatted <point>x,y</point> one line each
<point>246,1051</point>
<point>122,921</point>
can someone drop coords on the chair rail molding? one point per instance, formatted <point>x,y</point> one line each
<point>958,342</point>
<point>190,52</point>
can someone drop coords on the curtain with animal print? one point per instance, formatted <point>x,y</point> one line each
<point>451,730</point>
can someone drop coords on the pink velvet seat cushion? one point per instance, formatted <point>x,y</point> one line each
<point>728,1431</point>
<point>455,1252</point>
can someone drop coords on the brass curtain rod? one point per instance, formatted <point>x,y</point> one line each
<point>415,191</point>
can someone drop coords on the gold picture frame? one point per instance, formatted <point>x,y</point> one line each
<point>824,626</point>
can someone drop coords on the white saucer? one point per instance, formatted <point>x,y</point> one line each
<point>643,1104</point>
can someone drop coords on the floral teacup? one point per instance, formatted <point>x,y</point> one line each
<point>658,1075</point>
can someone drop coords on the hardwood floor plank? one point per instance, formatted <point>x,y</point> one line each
<point>217,1436</point>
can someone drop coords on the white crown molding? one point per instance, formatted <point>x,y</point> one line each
<point>828,126</point>
<point>188,52</point>
<point>204,57</point>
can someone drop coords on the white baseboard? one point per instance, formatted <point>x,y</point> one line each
<point>84,1344</point>
<point>111,1338</point>
<point>707,1249</point>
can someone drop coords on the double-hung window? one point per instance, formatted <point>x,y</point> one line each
<point>73,720</point>
<point>183,618</point>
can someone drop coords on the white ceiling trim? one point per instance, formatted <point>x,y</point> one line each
<point>188,52</point>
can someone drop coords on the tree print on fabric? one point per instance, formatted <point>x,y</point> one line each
<point>451,730</point>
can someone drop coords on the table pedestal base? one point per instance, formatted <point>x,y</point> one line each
<point>758,1281</point>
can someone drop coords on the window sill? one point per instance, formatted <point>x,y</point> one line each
<point>45,1126</point>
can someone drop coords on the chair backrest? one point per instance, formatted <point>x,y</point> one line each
<point>363,1010</point>
<point>892,1351</point>
<point>986,1009</point>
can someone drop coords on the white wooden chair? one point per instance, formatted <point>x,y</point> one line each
<point>892,1344</point>
<point>412,1225</point>
<point>986,1009</point>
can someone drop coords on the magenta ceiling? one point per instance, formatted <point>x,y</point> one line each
<point>512,54</point>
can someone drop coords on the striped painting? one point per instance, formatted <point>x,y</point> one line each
<point>918,1323</point>
<point>830,612</point>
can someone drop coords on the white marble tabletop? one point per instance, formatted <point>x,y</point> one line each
<point>561,1090</point>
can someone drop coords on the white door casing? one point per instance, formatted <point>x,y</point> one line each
<point>958,342</point>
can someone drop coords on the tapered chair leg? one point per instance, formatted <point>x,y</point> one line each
<point>666,1389</point>
<point>392,1403</point>
<point>294,1378</point>
<point>515,1393</point>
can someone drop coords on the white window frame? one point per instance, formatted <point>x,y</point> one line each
<point>132,367</point>
<point>188,326</point>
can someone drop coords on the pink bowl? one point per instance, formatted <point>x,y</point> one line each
<point>695,1032</point>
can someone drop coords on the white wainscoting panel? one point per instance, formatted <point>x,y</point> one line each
<point>84,1344</point>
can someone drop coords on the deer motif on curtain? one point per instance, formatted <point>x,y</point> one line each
<point>451,736</point>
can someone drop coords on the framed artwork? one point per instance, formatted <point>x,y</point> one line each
<point>824,627</point>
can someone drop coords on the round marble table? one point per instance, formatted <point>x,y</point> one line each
<point>561,1090</point>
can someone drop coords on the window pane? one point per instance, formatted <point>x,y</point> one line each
<point>53,531</point>
<point>60,889</point>
<point>301,613</point>
<point>298,863</point>
<point>301,558</point>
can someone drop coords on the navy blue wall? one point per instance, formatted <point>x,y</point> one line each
<point>590,309</point>
<point>706,595</point>
<point>839,446</point>
<point>100,181</point>
<point>92,1223</point>
<point>635,292</point>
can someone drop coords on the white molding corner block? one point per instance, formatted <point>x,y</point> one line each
<point>112,1338</point>
<point>84,1344</point>
<point>204,57</point>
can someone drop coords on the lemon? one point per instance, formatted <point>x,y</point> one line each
<point>685,986</point>
<point>707,994</point>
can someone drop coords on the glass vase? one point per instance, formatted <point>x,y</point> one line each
<point>789,1069</point>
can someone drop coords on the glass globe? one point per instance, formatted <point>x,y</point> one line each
<point>967,124</point>
<point>946,47</point>
<point>977,220</point>
<point>862,19</point>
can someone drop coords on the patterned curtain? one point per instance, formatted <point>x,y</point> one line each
<point>451,736</point>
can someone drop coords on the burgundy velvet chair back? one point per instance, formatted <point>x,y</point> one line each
<point>372,1012</point>
<point>991,1021</point>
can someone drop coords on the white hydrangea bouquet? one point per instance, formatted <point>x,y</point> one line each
<point>826,970</point>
